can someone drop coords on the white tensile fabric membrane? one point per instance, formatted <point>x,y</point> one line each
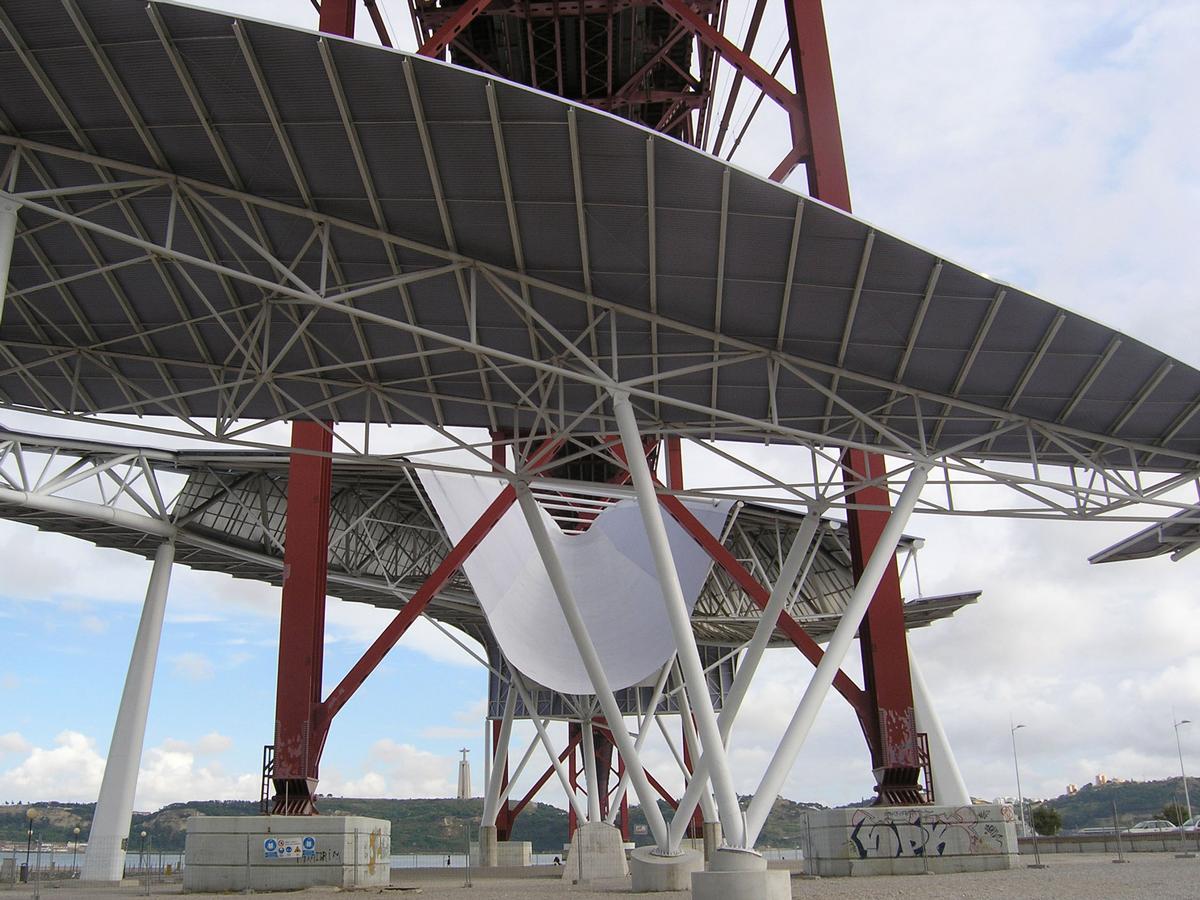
<point>609,567</point>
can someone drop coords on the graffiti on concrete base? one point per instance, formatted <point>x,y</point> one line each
<point>891,834</point>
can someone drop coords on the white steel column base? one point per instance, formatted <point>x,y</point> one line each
<point>105,858</point>
<point>653,872</point>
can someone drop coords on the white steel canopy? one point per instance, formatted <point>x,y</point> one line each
<point>229,219</point>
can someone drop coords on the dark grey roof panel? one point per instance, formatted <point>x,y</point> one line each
<point>1007,367</point>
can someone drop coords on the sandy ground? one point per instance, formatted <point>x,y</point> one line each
<point>1157,876</point>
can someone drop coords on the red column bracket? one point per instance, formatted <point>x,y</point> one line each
<point>741,61</point>
<point>452,28</point>
<point>416,604</point>
<point>760,595</point>
<point>541,782</point>
<point>424,594</point>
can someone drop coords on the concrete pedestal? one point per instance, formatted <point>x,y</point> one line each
<point>279,853</point>
<point>898,840</point>
<point>740,875</point>
<point>712,839</point>
<point>488,856</point>
<point>597,851</point>
<point>506,854</point>
<point>663,873</point>
<point>514,853</point>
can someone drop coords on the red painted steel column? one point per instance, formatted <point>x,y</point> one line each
<point>883,643</point>
<point>302,618</point>
<point>503,814</point>
<point>891,730</point>
<point>574,736</point>
<point>337,17</point>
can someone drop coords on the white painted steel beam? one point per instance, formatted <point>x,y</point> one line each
<point>105,858</point>
<point>491,799</point>
<point>8,234</point>
<point>835,654</point>
<point>949,789</point>
<point>595,669</point>
<point>681,626</point>
<point>588,740</point>
<point>564,779</point>
<point>802,544</point>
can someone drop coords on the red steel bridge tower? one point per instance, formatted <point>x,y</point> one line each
<point>674,66</point>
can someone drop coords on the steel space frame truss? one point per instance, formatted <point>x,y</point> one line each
<point>682,73</point>
<point>1092,486</point>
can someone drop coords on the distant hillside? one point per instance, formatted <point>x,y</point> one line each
<point>434,826</point>
<point>418,826</point>
<point>1136,800</point>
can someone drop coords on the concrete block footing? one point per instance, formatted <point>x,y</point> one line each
<point>597,851</point>
<point>901,840</point>
<point>489,855</point>
<point>712,839</point>
<point>663,873</point>
<point>279,853</point>
<point>740,875</point>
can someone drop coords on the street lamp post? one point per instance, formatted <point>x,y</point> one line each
<point>1187,797</point>
<point>75,851</point>
<point>1017,769</point>
<point>1037,856</point>
<point>142,852</point>
<point>30,815</point>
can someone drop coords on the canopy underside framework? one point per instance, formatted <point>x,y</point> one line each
<point>226,512</point>
<point>225,222</point>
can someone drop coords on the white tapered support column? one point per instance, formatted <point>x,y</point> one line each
<point>105,858</point>
<point>834,656</point>
<point>551,751</point>
<point>8,235</point>
<point>594,668</point>
<point>949,789</point>
<point>784,585</point>
<point>692,742</point>
<point>491,797</point>
<point>614,807</point>
<point>681,625</point>
<point>589,768</point>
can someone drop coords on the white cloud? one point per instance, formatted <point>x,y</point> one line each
<point>13,742</point>
<point>93,625</point>
<point>193,666</point>
<point>393,769</point>
<point>71,770</point>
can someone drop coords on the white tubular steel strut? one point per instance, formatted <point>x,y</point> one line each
<point>685,643</point>
<point>835,654</point>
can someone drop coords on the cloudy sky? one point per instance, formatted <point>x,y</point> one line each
<point>1048,144</point>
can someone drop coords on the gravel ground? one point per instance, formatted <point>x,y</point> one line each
<point>1157,876</point>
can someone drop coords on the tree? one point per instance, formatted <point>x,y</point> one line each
<point>1174,813</point>
<point>1046,820</point>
